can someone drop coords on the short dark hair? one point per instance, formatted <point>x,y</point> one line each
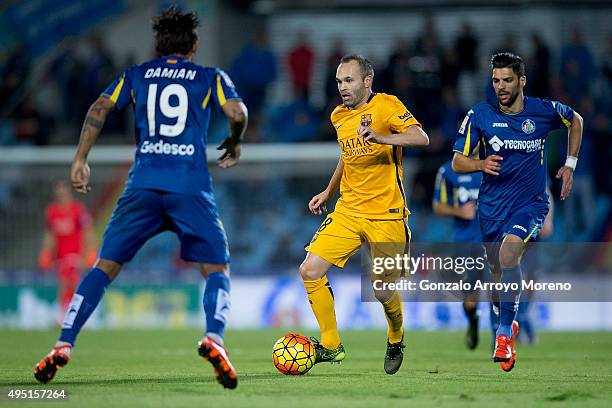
<point>175,31</point>
<point>365,65</point>
<point>508,60</point>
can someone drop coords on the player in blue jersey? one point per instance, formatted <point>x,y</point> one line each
<point>455,195</point>
<point>169,187</point>
<point>511,136</point>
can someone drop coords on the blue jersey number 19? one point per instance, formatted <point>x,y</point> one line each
<point>178,111</point>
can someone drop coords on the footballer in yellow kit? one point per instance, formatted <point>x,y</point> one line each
<point>372,128</point>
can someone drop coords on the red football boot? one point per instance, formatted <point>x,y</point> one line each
<point>507,366</point>
<point>215,353</point>
<point>47,367</point>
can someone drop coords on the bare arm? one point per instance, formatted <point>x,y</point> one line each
<point>90,240</point>
<point>414,136</point>
<point>92,126</point>
<point>574,135</point>
<point>88,232</point>
<point>317,203</point>
<point>45,257</point>
<point>237,116</point>
<point>90,254</point>
<point>464,164</point>
<point>574,139</point>
<point>466,211</point>
<point>48,242</point>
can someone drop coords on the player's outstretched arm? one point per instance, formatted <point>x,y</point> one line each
<point>237,116</point>
<point>317,203</point>
<point>574,139</point>
<point>466,212</point>
<point>414,136</point>
<point>464,164</point>
<point>92,126</point>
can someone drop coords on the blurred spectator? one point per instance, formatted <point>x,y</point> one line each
<point>47,89</point>
<point>602,133</point>
<point>14,70</point>
<point>579,207</point>
<point>301,60</point>
<point>427,41</point>
<point>326,130</point>
<point>253,70</point>
<point>99,67</point>
<point>451,115</point>
<point>294,122</point>
<point>508,44</point>
<point>557,92</point>
<point>577,67</point>
<point>607,74</point>
<point>467,47</point>
<point>331,65</point>
<point>607,64</point>
<point>396,77</point>
<point>31,127</point>
<point>426,66</point>
<point>451,68</point>
<point>538,68</point>
<point>68,244</point>
<point>67,69</point>
<point>466,51</point>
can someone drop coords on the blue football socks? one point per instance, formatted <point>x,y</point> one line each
<point>84,302</point>
<point>509,299</point>
<point>216,302</point>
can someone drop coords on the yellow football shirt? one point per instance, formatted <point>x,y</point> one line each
<point>371,185</point>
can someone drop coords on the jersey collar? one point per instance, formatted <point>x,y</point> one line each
<point>173,59</point>
<point>365,104</point>
<point>513,114</point>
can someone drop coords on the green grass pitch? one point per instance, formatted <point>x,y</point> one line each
<point>161,368</point>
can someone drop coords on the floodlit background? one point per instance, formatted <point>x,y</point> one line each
<point>56,56</point>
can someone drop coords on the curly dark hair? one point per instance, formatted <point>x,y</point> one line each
<point>175,32</point>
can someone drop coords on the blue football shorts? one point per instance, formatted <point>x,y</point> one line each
<point>525,223</point>
<point>143,213</point>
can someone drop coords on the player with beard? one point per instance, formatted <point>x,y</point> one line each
<point>510,136</point>
<point>372,128</point>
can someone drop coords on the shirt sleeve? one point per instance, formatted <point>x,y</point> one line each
<point>468,135</point>
<point>223,88</point>
<point>563,114</point>
<point>399,117</point>
<point>120,91</point>
<point>443,188</point>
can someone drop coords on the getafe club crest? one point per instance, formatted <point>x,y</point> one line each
<point>366,119</point>
<point>528,126</point>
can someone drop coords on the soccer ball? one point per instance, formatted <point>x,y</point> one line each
<point>293,354</point>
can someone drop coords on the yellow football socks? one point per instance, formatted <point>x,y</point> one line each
<point>395,317</point>
<point>322,303</point>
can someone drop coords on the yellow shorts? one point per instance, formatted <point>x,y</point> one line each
<point>340,236</point>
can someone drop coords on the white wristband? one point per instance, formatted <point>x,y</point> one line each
<point>571,162</point>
